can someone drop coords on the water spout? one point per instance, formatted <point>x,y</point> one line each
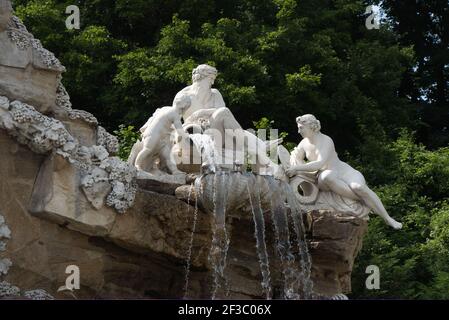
<point>220,240</point>
<point>205,145</point>
<point>282,240</point>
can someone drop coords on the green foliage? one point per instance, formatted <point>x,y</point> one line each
<point>423,25</point>
<point>127,136</point>
<point>263,123</point>
<point>303,80</point>
<point>86,54</point>
<point>413,261</point>
<point>266,124</point>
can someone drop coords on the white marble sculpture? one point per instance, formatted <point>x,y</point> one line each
<point>327,179</point>
<point>207,106</point>
<point>155,149</point>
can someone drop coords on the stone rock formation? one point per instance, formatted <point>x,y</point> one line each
<point>5,234</point>
<point>66,200</point>
<point>27,71</point>
<point>336,238</point>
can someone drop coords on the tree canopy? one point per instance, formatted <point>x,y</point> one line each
<point>381,94</point>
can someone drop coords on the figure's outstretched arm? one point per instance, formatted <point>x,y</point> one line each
<point>178,127</point>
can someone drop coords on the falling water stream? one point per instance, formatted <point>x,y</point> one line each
<point>189,250</point>
<point>282,240</point>
<point>220,239</point>
<point>305,259</point>
<point>296,276</point>
<point>259,234</point>
<point>205,144</point>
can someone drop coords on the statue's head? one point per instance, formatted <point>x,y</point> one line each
<point>308,125</point>
<point>204,71</point>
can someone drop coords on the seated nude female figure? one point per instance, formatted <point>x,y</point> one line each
<point>207,103</point>
<point>333,174</point>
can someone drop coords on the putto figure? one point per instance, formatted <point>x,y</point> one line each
<point>155,150</point>
<point>332,173</point>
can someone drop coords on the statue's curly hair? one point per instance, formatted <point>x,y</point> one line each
<point>203,71</point>
<point>311,121</point>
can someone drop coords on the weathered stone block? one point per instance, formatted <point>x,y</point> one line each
<point>19,79</point>
<point>85,133</point>
<point>335,240</point>
<point>163,224</point>
<point>57,196</point>
<point>5,14</point>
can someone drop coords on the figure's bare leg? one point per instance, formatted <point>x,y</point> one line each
<point>372,200</point>
<point>146,156</point>
<point>169,160</point>
<point>341,188</point>
<point>137,147</point>
<point>142,159</point>
<point>223,119</point>
<point>330,180</point>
